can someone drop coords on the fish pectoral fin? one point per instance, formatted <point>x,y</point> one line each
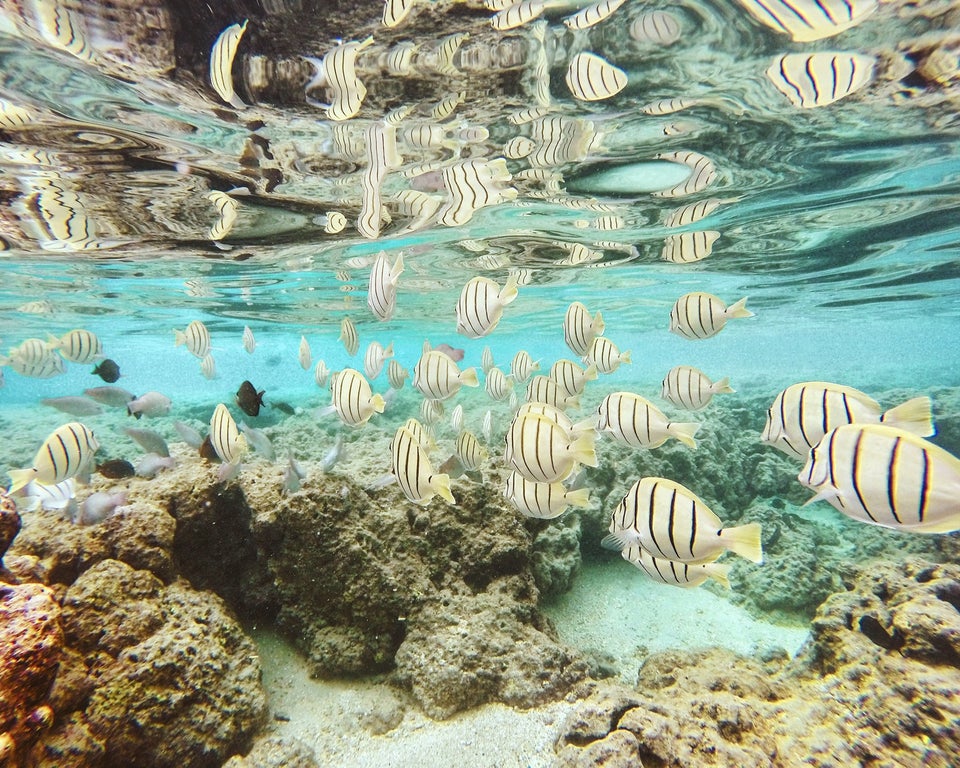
<point>381,482</point>
<point>618,541</point>
<point>826,494</point>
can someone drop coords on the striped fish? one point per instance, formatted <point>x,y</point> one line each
<point>690,388</point>
<point>657,27</point>
<point>579,329</point>
<point>445,53</point>
<point>518,147</point>
<point>701,315</point>
<point>672,522</point>
<point>471,185</point>
<point>486,360</point>
<point>543,451</point>
<point>399,59</point>
<point>692,212</point>
<point>339,72</point>
<point>13,116</point>
<point>591,78</point>
<point>349,337</point>
<point>226,439</point>
<point>803,413</point>
<point>382,287</point>
<point>688,247</point>
<point>421,433</point>
<point>353,399</point>
<point>605,355</point>
<point>886,476</point>
<point>469,451</point>
<point>33,358</point>
<point>481,304</point>
<point>486,426</point>
<point>208,367</point>
<point>527,115</point>
<point>809,20</point>
<point>221,63</point>
<point>543,389</point>
<point>64,218</point>
<point>304,355</point>
<point>570,377</point>
<point>334,222</point>
<point>522,366</point>
<point>431,411</point>
<point>456,419</point>
<point>817,79</point>
<point>227,209</point>
<point>196,337</point>
<point>544,501</point>
<point>66,453</point>
<point>560,139</point>
<point>375,357</point>
<point>518,14</point>
<point>61,28</point>
<point>635,421</point>
<point>320,374</point>
<point>395,11</point>
<point>396,374</point>
<point>249,342</point>
<point>674,573</point>
<point>497,385</point>
<point>560,418</point>
<point>437,377</point>
<point>423,136</point>
<point>414,472</point>
<point>704,173</point>
<point>77,346</point>
<point>592,14</point>
<point>668,106</point>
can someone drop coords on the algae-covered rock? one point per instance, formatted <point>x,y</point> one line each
<point>170,678</point>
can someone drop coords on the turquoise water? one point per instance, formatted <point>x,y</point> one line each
<point>840,222</point>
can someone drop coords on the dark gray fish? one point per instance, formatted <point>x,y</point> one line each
<point>249,399</point>
<point>116,469</point>
<point>208,452</point>
<point>107,370</point>
<point>150,441</point>
<point>285,407</point>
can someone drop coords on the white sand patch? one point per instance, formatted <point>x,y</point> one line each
<point>615,610</point>
<point>327,717</point>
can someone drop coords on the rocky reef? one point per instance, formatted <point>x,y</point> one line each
<point>875,685</point>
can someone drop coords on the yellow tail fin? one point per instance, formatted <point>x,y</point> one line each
<point>509,292</point>
<point>718,572</point>
<point>441,484</point>
<point>179,337</point>
<point>625,357</point>
<point>378,403</point>
<point>684,432</point>
<point>584,450</point>
<point>739,309</point>
<point>578,498</point>
<point>19,478</point>
<point>723,387</point>
<point>591,373</point>
<point>469,378</point>
<point>913,416</point>
<point>744,540</point>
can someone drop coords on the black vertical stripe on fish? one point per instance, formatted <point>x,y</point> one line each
<point>670,521</point>
<point>925,486</point>
<point>855,472</point>
<point>651,505</point>
<point>788,81</point>
<point>802,420</point>
<point>892,471</point>
<point>693,526</point>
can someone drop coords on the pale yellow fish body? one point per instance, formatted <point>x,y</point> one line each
<point>249,342</point>
<point>671,522</point>
<point>321,373</point>
<point>570,377</point>
<point>208,367</point>
<point>469,451</point>
<point>497,385</point>
<point>353,399</point>
<point>13,116</point>
<point>437,377</point>
<point>592,78</point>
<point>544,501</point>
<point>486,360</point>
<point>580,329</point>
<point>518,14</point>
<point>676,574</point>
<point>304,355</point>
<point>399,59</point>
<point>449,46</point>
<point>195,337</point>
<point>687,387</point>
<point>657,27</point>
<point>471,185</point>
<point>431,411</point>
<point>396,374</point>
<point>349,337</point>
<point>689,247</point>
<point>692,212</point>
<point>481,304</point>
<point>382,286</point>
<point>817,79</point>
<point>221,63</point>
<point>34,359</point>
<point>78,346</point>
<point>635,421</point>
<point>227,209</point>
<point>226,439</point>
<point>543,389</point>
<point>339,70</point>
<point>886,476</point>
<point>414,472</point>
<point>375,357</point>
<point>606,355</point>
<point>803,413</point>
<point>703,173</point>
<point>808,20</point>
<point>701,315</point>
<point>66,453</point>
<point>522,366</point>
<point>421,433</point>
<point>557,416</point>
<point>395,11</point>
<point>592,14</point>
<point>335,222</point>
<point>543,451</point>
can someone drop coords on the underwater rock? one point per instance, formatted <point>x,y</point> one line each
<point>461,651</point>
<point>31,647</point>
<point>555,557</point>
<point>166,676</point>
<point>275,752</point>
<point>9,523</point>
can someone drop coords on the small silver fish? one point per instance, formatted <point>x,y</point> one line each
<point>258,440</point>
<point>149,404</point>
<point>150,441</point>
<point>151,464</point>
<point>335,455</point>
<point>98,506</point>
<point>75,406</point>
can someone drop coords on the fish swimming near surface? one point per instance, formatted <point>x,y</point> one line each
<point>517,14</point>
<point>222,54</point>
<point>396,374</point>
<point>545,501</point>
<point>353,400</point>
<point>674,573</point>
<point>606,355</point>
<point>75,406</point>
<point>579,329</point>
<point>635,421</point>
<point>305,356</point>
<point>701,315</point>
<point>382,286</point>
<point>481,304</point>
<point>592,78</point>
<point>66,453</point>
<point>811,80</point>
<point>249,399</point>
<point>809,20</point>
<point>886,476</point>
<point>414,471</point>
<point>249,342</point>
<point>670,521</point>
<point>688,247</point>
<point>108,370</point>
<point>77,346</point>
<point>543,451</point>
<point>803,413</point>
<point>150,441</point>
<point>592,14</point>
<point>195,337</point>
<point>116,469</point>
<point>375,357</point>
<point>436,376</point>
<point>687,387</point>
<point>32,358</point>
<point>349,337</point>
<point>114,397</point>
<point>149,404</point>
<point>658,27</point>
